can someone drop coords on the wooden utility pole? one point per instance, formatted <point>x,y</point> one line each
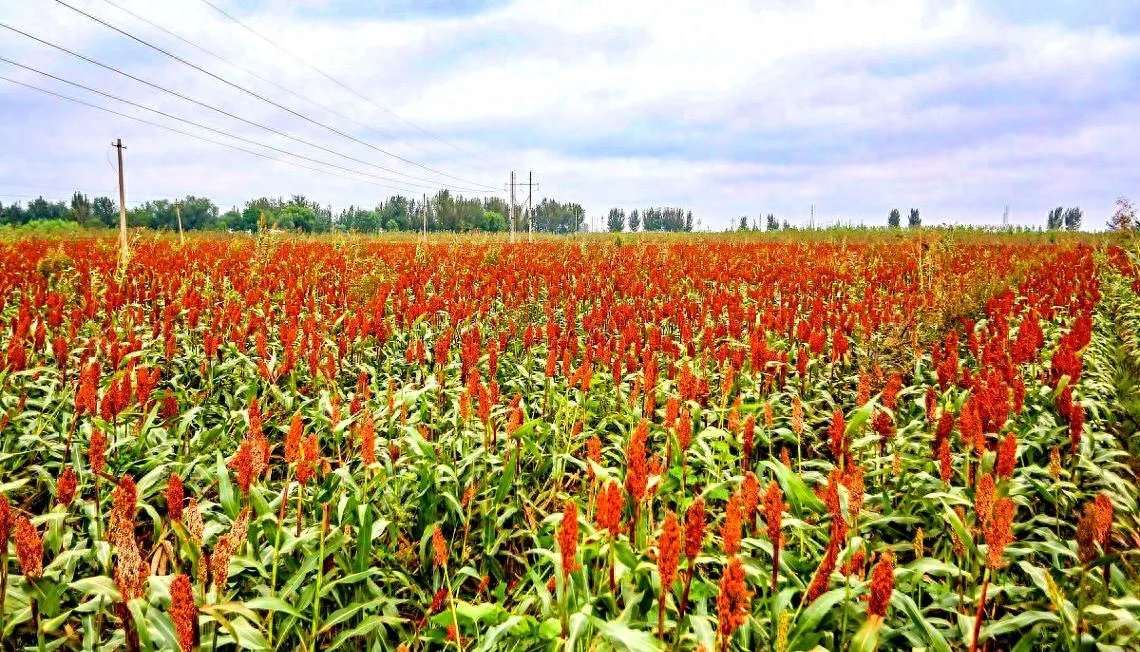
<point>530,187</point>
<point>123,251</point>
<point>178,214</point>
<point>423,206</point>
<point>511,210</point>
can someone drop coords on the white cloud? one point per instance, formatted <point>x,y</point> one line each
<point>730,108</point>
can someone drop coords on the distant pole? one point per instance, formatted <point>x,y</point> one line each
<point>529,207</point>
<point>423,207</point>
<point>813,217</point>
<point>178,213</point>
<point>123,252</point>
<point>512,207</point>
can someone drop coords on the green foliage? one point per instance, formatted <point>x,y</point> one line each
<point>1056,219</point>
<point>46,227</point>
<point>1072,218</point>
<point>615,221</point>
<point>347,561</point>
<point>894,220</point>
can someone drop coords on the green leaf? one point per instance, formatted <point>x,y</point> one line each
<point>98,586</point>
<point>1017,622</point>
<point>801,499</point>
<point>810,617</point>
<point>933,636</point>
<point>267,603</point>
<point>226,489</point>
<point>622,637</point>
<point>867,638</point>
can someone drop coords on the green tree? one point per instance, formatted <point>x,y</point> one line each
<point>773,223</point>
<point>494,221</point>
<point>1073,217</point>
<point>41,209</point>
<point>234,220</point>
<point>360,220</point>
<point>1124,217</point>
<point>743,223</point>
<point>634,220</point>
<point>13,214</point>
<point>297,217</point>
<point>198,213</point>
<point>894,220</point>
<point>1056,219</point>
<point>615,222</point>
<point>80,208</point>
<point>913,221</point>
<point>104,211</point>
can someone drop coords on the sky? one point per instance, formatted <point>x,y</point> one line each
<point>730,108</point>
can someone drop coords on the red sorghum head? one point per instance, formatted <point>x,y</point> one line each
<point>607,512</point>
<point>669,551</point>
<point>882,585</point>
<point>175,497</point>
<point>568,538</point>
<point>29,548</point>
<point>731,530</point>
<point>695,528</point>
<point>65,486</point>
<point>732,603</point>
<point>183,612</point>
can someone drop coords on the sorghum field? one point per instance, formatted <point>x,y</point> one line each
<point>721,443</point>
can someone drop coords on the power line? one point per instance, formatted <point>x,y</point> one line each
<point>266,80</point>
<point>221,111</point>
<point>220,132</point>
<point>195,136</point>
<point>258,96</point>
<point>341,84</point>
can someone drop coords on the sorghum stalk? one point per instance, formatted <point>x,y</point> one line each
<point>688,583</point>
<point>300,495</point>
<point>613,562</point>
<point>277,553</point>
<point>979,610</point>
<point>454,615</point>
<point>846,584</point>
<point>40,645</point>
<point>320,576</point>
<point>3,587</point>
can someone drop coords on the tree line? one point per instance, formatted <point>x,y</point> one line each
<point>443,211</point>
<point>650,219</point>
<point>1064,218</point>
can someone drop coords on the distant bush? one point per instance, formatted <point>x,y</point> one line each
<point>42,226</point>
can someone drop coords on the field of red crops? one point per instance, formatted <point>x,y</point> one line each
<point>710,443</point>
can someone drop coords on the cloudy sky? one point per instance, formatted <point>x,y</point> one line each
<point>729,108</point>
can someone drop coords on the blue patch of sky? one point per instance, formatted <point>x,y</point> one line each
<point>397,9</point>
<point>1118,15</point>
